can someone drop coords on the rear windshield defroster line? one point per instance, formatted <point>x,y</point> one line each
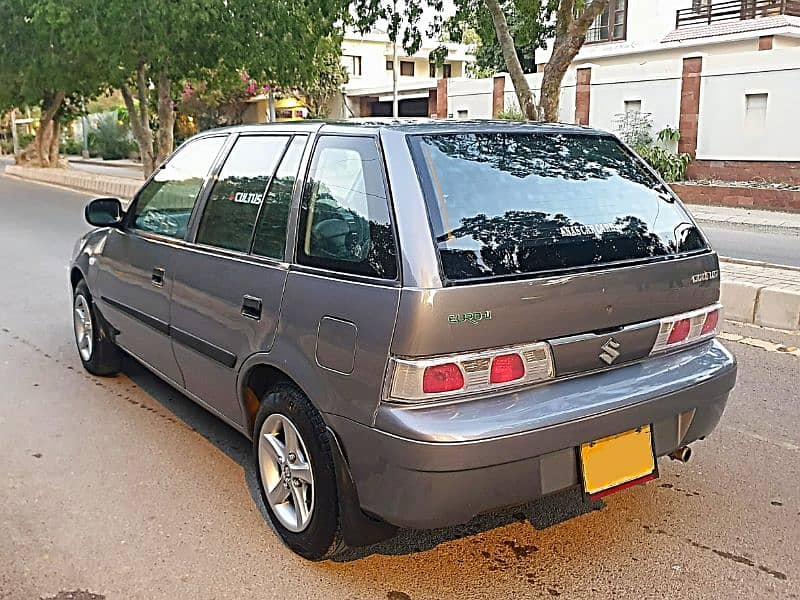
<point>512,204</point>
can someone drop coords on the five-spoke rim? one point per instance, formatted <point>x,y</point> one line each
<point>286,472</point>
<point>82,322</point>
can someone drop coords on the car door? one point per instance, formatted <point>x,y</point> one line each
<point>227,289</point>
<point>134,272</point>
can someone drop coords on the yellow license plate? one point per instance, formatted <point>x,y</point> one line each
<point>617,460</point>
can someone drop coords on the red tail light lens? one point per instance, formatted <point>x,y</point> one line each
<point>710,324</point>
<point>680,331</point>
<point>507,367</point>
<point>442,378</point>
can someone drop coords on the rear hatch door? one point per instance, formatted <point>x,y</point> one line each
<point>565,237</point>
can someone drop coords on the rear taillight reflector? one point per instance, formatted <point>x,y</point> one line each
<point>442,378</point>
<point>710,324</point>
<point>680,331</point>
<point>507,367</point>
<point>456,375</point>
<point>686,328</point>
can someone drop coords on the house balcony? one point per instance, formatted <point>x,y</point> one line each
<point>710,13</point>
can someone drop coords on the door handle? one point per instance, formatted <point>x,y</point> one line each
<point>251,307</point>
<point>158,276</point>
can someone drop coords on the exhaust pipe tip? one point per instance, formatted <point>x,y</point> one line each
<point>682,454</point>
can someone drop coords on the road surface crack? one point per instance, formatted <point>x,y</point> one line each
<point>742,560</point>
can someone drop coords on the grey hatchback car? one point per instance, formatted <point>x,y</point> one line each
<point>414,322</point>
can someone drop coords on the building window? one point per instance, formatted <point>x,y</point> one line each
<point>447,71</point>
<point>633,107</point>
<point>389,65</point>
<point>407,68</point>
<point>352,64</point>
<point>610,25</point>
<point>755,111</point>
<point>432,70</point>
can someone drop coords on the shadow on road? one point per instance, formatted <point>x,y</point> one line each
<point>542,513</point>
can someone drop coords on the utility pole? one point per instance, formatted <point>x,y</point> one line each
<point>84,129</point>
<point>395,67</point>
<point>271,105</point>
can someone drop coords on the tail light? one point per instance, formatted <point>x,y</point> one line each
<point>679,332</point>
<point>506,367</point>
<point>710,325</point>
<point>442,378</point>
<point>687,328</point>
<point>470,373</point>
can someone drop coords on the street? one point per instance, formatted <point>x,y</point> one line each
<point>127,489</point>
<point>766,244</point>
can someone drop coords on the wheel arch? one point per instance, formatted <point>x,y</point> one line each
<point>75,276</point>
<point>257,375</point>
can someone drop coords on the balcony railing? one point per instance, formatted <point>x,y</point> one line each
<point>734,10</point>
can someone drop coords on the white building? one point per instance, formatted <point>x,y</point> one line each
<point>660,29</point>
<point>368,60</point>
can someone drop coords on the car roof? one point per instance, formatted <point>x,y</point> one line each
<point>411,126</point>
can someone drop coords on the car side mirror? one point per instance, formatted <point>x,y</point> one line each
<point>104,212</point>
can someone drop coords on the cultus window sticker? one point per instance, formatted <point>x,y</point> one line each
<point>245,197</point>
<point>470,317</point>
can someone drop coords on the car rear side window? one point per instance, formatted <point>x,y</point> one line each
<point>509,204</point>
<point>270,236</point>
<point>344,221</point>
<point>233,206</point>
<point>165,204</point>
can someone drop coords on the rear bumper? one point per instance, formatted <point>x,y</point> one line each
<point>434,466</point>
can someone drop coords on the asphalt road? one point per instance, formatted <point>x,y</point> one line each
<point>767,244</point>
<point>125,488</point>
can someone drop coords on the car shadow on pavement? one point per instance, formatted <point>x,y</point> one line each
<point>541,513</point>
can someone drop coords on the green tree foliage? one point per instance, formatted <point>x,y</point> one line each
<point>167,43</point>
<point>636,130</point>
<point>44,62</point>
<point>529,21</point>
<point>330,78</point>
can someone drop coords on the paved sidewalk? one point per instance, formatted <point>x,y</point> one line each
<point>745,216</point>
<point>761,294</point>
<point>119,187</point>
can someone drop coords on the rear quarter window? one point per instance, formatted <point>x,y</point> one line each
<point>509,204</point>
<point>345,223</point>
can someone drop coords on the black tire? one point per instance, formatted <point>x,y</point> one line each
<point>105,359</point>
<point>322,537</point>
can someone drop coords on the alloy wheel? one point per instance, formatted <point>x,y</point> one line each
<point>286,472</point>
<point>82,323</point>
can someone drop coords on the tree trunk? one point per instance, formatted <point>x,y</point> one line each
<point>570,36</point>
<point>44,135</point>
<point>521,87</point>
<point>140,119</point>
<point>42,142</point>
<point>55,141</point>
<point>166,118</point>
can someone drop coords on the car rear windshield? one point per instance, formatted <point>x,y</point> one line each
<point>514,204</point>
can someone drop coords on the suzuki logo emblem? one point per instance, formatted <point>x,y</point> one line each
<point>610,351</point>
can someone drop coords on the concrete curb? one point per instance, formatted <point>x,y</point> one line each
<point>761,295</point>
<point>101,185</point>
<point>122,164</point>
